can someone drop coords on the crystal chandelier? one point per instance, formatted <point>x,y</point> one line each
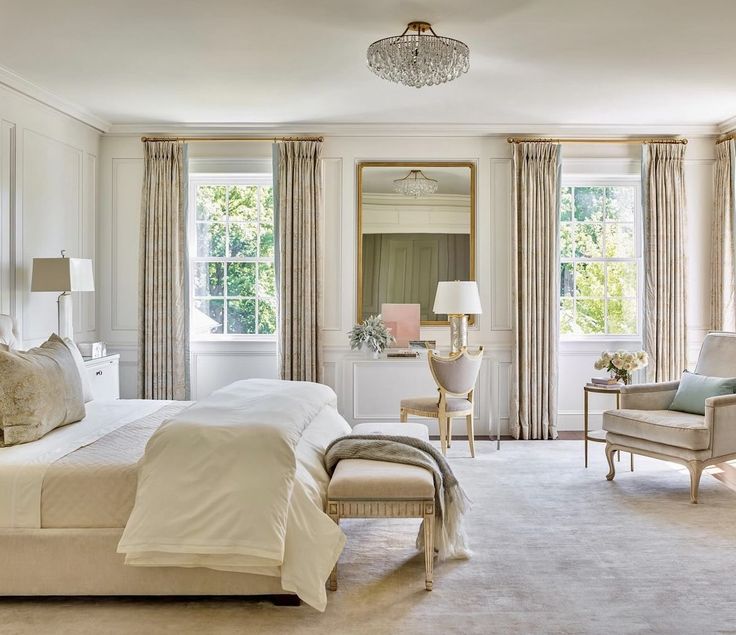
<point>419,59</point>
<point>415,184</point>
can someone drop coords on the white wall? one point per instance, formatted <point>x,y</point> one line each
<point>217,363</point>
<point>48,194</point>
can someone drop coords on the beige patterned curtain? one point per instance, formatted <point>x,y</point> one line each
<point>536,284</point>
<point>723,244</point>
<point>298,209</point>
<point>163,316</point>
<point>664,203</point>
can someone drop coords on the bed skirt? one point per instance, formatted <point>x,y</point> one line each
<point>68,562</point>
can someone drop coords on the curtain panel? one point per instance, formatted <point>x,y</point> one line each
<point>536,287</point>
<point>298,206</point>
<point>664,205</point>
<point>723,244</point>
<point>163,315</point>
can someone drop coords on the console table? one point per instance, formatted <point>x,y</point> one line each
<point>373,390</point>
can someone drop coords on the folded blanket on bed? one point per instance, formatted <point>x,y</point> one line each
<point>450,499</point>
<point>226,485</point>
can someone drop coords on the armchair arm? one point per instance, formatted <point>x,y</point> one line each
<point>649,396</point>
<point>720,417</point>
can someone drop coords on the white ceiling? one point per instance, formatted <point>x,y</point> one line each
<point>653,62</point>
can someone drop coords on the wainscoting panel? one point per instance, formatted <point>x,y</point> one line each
<point>127,181</point>
<point>88,240</point>
<point>501,239</point>
<point>332,237</point>
<point>7,215</point>
<point>52,205</point>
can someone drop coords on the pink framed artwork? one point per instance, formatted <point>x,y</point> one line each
<point>403,320</point>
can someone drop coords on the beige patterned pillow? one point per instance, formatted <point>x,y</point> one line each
<point>40,390</point>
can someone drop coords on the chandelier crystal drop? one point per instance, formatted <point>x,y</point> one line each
<point>418,59</point>
<point>416,184</point>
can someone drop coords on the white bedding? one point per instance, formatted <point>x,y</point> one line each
<point>22,467</point>
<point>237,483</point>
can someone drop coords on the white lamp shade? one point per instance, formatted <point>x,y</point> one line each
<point>62,274</point>
<point>459,297</point>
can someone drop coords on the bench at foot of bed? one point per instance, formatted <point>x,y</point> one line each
<point>380,489</point>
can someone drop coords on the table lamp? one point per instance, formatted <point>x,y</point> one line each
<point>458,299</point>
<point>63,275</point>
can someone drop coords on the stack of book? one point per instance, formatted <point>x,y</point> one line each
<point>401,352</point>
<point>604,381</point>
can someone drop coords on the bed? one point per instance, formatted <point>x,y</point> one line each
<point>66,498</point>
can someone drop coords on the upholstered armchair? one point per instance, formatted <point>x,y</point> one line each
<point>455,377</point>
<point>645,426</point>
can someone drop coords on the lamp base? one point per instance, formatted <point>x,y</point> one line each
<point>66,320</point>
<point>458,332</point>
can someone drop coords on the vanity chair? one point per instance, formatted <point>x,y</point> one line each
<point>455,377</point>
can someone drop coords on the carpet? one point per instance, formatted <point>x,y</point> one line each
<point>557,549</point>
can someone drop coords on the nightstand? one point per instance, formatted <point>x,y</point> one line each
<point>104,376</point>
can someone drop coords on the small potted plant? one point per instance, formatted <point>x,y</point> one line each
<point>621,364</point>
<point>371,336</point>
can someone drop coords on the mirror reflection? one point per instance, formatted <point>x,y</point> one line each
<point>416,228</point>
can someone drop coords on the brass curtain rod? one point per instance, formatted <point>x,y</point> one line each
<point>609,140</point>
<point>728,137</point>
<point>144,139</point>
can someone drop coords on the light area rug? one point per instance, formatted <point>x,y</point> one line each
<point>557,549</point>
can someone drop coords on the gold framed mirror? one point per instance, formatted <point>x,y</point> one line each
<point>416,227</point>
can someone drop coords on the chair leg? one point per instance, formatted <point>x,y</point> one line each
<point>696,470</point>
<point>632,461</point>
<point>471,440</point>
<point>449,431</point>
<point>428,544</point>
<point>611,465</point>
<point>403,416</point>
<point>442,423</point>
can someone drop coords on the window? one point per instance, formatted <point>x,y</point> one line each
<point>600,262</point>
<point>233,286</point>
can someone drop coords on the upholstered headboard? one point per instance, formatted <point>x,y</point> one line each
<point>8,331</point>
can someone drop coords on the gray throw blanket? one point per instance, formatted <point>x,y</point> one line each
<point>450,500</point>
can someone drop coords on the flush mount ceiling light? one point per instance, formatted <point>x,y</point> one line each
<point>418,59</point>
<point>415,184</point>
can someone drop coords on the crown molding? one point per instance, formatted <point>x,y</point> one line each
<point>15,82</point>
<point>729,125</point>
<point>412,129</point>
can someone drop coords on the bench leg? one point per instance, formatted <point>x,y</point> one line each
<point>335,515</point>
<point>428,544</point>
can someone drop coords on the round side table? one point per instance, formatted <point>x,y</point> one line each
<point>599,436</point>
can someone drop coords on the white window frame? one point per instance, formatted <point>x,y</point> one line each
<point>611,181</point>
<point>204,178</point>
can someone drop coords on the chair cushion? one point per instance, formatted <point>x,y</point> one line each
<point>680,429</point>
<point>360,479</point>
<point>416,430</point>
<point>695,389</point>
<point>430,404</point>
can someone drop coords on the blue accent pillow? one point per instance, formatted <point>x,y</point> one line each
<point>695,389</point>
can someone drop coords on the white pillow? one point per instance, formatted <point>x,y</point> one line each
<point>83,375</point>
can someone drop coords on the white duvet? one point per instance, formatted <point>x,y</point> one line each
<point>237,483</point>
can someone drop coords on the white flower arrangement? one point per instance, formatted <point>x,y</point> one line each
<point>372,334</point>
<point>621,364</point>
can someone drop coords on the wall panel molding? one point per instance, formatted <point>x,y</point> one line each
<point>7,216</point>
<point>332,239</point>
<point>125,228</point>
<point>501,241</point>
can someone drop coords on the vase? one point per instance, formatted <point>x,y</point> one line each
<point>369,352</point>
